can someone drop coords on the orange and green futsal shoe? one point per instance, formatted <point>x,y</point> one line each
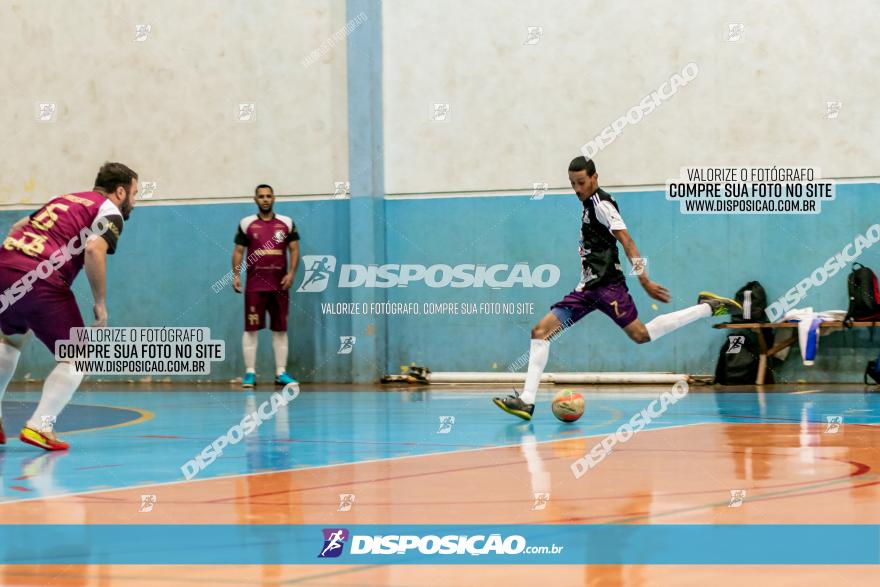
<point>721,306</point>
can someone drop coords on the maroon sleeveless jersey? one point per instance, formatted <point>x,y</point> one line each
<point>58,232</point>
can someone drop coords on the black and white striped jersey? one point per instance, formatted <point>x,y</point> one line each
<point>600,261</point>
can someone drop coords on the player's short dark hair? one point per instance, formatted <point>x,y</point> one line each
<point>112,175</point>
<point>583,164</point>
<point>264,185</point>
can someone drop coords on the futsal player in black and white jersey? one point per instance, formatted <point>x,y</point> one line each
<point>603,287</point>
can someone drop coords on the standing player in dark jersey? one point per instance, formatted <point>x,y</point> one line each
<point>39,260</point>
<point>267,237</point>
<point>603,287</point>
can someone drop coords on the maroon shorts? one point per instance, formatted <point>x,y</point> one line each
<point>257,303</point>
<point>612,299</point>
<point>50,311</point>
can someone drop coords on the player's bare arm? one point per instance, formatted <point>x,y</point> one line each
<point>287,280</point>
<point>96,271</point>
<point>237,257</point>
<point>655,290</point>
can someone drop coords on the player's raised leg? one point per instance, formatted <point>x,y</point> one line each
<point>523,404</point>
<point>708,304</point>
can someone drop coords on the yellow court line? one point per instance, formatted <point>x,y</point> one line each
<point>145,416</point>
<point>616,414</point>
<point>804,391</point>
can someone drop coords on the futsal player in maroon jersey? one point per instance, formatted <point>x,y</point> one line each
<point>39,260</point>
<point>268,238</point>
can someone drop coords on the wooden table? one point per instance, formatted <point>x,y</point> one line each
<point>757,327</point>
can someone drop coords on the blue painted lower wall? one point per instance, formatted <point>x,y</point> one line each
<point>170,256</point>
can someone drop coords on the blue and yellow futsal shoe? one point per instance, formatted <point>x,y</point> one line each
<point>285,379</point>
<point>512,404</point>
<point>720,306</point>
<point>249,380</point>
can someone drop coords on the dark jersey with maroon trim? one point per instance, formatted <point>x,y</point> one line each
<point>267,242</point>
<point>58,232</point>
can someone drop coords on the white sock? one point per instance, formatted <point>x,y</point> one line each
<point>249,350</point>
<point>279,346</point>
<point>57,391</point>
<point>539,353</point>
<point>8,360</point>
<point>674,320</point>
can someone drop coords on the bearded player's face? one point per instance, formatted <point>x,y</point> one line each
<point>264,199</point>
<point>128,198</point>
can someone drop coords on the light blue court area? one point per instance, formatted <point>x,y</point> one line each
<point>132,438</point>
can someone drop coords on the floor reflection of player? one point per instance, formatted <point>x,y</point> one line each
<point>38,475</point>
<point>554,509</point>
<point>263,499</point>
<point>538,473</point>
<point>267,451</point>
<point>633,505</point>
<point>742,409</point>
<point>750,455</point>
<point>821,445</point>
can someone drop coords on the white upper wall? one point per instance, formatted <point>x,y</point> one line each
<point>168,105</point>
<point>519,112</point>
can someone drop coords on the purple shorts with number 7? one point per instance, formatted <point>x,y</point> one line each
<point>612,299</point>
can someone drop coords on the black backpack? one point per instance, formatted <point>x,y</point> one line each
<point>873,371</point>
<point>738,360</point>
<point>753,300</point>
<point>864,295</point>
